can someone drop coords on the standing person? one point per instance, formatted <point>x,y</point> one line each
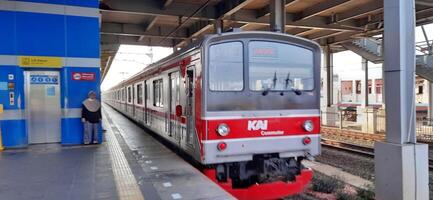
<point>91,117</point>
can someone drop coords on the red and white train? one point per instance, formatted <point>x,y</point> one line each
<point>243,104</point>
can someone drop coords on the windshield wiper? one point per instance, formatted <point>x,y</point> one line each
<point>274,84</point>
<point>295,90</point>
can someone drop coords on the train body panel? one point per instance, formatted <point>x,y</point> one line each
<point>237,103</point>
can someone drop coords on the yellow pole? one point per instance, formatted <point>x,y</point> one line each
<point>1,141</point>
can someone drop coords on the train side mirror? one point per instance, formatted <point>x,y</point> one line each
<point>178,110</point>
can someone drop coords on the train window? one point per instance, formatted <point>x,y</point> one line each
<point>175,90</point>
<point>226,64</point>
<point>158,93</point>
<point>280,66</point>
<point>123,95</point>
<point>140,94</point>
<point>129,94</point>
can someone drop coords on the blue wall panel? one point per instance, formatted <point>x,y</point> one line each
<point>7,33</point>
<point>40,34</point>
<point>84,3</point>
<point>81,34</point>
<point>18,90</point>
<point>61,2</point>
<point>14,133</point>
<point>72,131</point>
<point>77,91</point>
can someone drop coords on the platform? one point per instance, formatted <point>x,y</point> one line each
<point>130,164</point>
<point>158,168</point>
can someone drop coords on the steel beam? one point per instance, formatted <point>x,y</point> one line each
<point>232,11</point>
<point>108,28</point>
<point>120,39</point>
<point>167,3</point>
<point>340,38</point>
<point>266,11</point>
<point>227,8</point>
<point>149,26</point>
<point>322,34</point>
<point>424,3</point>
<point>308,32</point>
<point>319,8</point>
<point>318,22</point>
<point>371,7</point>
<point>153,8</point>
<point>296,31</point>
<point>223,9</point>
<point>195,30</point>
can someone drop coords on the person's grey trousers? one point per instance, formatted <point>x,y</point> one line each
<point>90,132</point>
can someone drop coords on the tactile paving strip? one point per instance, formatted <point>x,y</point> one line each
<point>126,184</point>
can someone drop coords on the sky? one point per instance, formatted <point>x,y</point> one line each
<point>131,59</point>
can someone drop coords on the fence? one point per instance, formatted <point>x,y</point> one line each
<point>372,122</point>
<point>347,119</point>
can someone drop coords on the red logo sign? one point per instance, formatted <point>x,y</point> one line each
<point>83,76</point>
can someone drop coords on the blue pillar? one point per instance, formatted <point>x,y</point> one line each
<point>58,29</point>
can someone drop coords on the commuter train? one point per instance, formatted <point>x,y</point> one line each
<point>245,105</point>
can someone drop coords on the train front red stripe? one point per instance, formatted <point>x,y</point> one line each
<point>262,127</point>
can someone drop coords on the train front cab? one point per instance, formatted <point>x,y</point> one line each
<point>261,107</point>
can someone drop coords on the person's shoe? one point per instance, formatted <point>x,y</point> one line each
<point>95,142</point>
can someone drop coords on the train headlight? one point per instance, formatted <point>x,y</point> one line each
<point>223,129</point>
<point>308,126</point>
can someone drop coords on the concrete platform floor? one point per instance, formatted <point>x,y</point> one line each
<point>50,171</point>
<point>129,165</point>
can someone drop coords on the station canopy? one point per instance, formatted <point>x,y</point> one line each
<point>175,23</point>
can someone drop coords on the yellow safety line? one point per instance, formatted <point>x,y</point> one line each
<point>1,141</point>
<point>126,184</point>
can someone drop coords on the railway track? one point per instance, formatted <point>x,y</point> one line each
<point>356,149</point>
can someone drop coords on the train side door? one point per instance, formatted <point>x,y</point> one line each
<point>189,110</point>
<point>145,103</point>
<point>174,101</point>
<point>133,100</point>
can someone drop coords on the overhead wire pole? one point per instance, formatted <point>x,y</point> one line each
<point>278,16</point>
<point>401,165</point>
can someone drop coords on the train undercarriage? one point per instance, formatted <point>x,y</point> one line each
<point>265,177</point>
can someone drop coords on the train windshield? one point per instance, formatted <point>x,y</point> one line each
<point>226,67</point>
<point>277,67</point>
<point>249,75</point>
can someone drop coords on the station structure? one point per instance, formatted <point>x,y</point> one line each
<point>53,52</point>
